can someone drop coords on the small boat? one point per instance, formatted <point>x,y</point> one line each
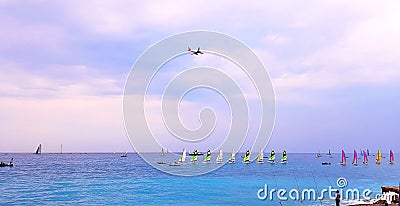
<point>260,158</point>
<point>39,149</point>
<point>343,162</point>
<point>125,155</point>
<point>207,158</point>
<point>271,158</point>
<point>284,157</point>
<point>365,161</point>
<point>378,157</point>
<point>329,152</point>
<point>232,158</point>
<point>326,163</point>
<point>391,157</point>
<point>219,158</point>
<point>182,158</point>
<point>3,164</point>
<point>355,158</point>
<point>175,164</point>
<point>318,155</point>
<point>246,158</point>
<point>194,157</point>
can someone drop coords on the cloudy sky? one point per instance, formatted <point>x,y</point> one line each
<point>335,67</point>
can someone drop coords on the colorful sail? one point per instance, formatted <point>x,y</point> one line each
<point>182,158</point>
<point>232,158</point>
<point>272,156</point>
<point>246,157</point>
<point>391,157</point>
<point>355,158</point>
<point>260,157</point>
<point>365,158</point>
<point>343,162</point>
<point>207,158</point>
<point>378,157</point>
<point>284,156</point>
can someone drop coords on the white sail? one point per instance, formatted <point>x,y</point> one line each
<point>183,157</point>
<point>232,158</point>
<point>260,157</point>
<point>219,158</point>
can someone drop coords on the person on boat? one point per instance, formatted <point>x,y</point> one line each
<point>272,153</point>
<point>208,152</point>
<point>2,163</point>
<point>11,161</point>
<point>337,198</point>
<point>284,153</point>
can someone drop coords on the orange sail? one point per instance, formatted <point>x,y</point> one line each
<point>355,158</point>
<point>343,158</point>
<point>378,157</point>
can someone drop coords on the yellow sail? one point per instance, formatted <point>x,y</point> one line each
<point>378,157</point>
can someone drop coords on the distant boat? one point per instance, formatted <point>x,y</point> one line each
<point>182,158</point>
<point>271,158</point>
<point>3,164</point>
<point>329,152</point>
<point>378,157</point>
<point>232,158</point>
<point>368,152</point>
<point>194,156</point>
<point>391,157</point>
<point>355,158</point>
<point>284,157</point>
<point>39,149</point>
<point>195,153</point>
<point>260,157</point>
<point>365,158</point>
<point>246,158</point>
<point>125,155</point>
<point>219,158</point>
<point>318,155</point>
<point>343,162</point>
<point>207,158</point>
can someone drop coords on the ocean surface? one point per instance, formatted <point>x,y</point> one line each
<point>109,179</point>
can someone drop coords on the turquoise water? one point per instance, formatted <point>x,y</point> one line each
<point>108,179</point>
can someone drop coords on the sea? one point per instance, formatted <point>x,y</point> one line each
<point>109,179</point>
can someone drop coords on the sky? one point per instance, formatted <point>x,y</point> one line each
<point>335,67</point>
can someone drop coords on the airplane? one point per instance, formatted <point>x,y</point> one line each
<point>195,52</point>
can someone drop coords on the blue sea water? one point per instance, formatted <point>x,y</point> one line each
<point>108,179</point>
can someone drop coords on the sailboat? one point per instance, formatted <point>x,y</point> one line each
<point>365,158</point>
<point>343,162</point>
<point>207,158</point>
<point>260,157</point>
<point>271,158</point>
<point>194,156</point>
<point>39,149</point>
<point>391,158</point>
<point>232,158</point>
<point>329,152</point>
<point>246,158</point>
<point>125,155</point>
<point>219,158</point>
<point>182,158</point>
<point>11,164</point>
<point>378,157</point>
<point>318,155</point>
<point>355,158</point>
<point>284,157</point>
